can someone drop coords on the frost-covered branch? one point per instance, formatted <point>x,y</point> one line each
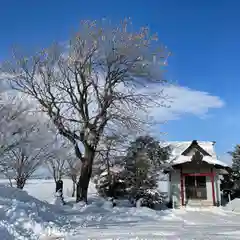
<point>73,171</point>
<point>57,161</point>
<point>14,122</point>
<point>33,146</point>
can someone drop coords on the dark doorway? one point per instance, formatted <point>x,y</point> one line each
<point>196,187</point>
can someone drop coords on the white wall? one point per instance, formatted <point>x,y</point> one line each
<point>175,187</point>
<point>209,189</point>
<point>216,187</point>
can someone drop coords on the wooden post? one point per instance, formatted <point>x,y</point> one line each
<point>182,192</point>
<point>213,189</point>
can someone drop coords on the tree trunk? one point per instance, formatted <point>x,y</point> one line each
<point>20,182</point>
<point>59,186</point>
<point>84,179</point>
<point>59,190</point>
<point>73,189</point>
<point>83,182</point>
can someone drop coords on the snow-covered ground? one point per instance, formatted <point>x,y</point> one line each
<point>30,215</point>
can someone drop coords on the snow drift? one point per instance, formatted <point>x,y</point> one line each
<point>233,205</point>
<point>25,217</point>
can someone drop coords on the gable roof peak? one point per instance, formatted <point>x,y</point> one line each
<point>178,147</point>
<point>198,146</point>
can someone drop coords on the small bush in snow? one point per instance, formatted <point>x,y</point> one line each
<point>148,198</point>
<point>110,184</point>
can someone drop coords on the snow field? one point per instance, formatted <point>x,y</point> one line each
<point>30,215</point>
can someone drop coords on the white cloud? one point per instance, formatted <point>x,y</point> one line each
<point>183,100</point>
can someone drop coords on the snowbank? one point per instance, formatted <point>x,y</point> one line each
<point>25,217</point>
<point>234,205</point>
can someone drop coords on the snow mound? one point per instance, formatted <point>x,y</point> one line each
<point>25,217</point>
<point>233,205</point>
<point>101,214</point>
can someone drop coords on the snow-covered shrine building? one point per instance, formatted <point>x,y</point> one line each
<point>194,176</point>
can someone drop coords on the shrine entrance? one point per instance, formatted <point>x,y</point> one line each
<point>195,187</point>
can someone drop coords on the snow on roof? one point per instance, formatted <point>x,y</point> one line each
<point>214,161</point>
<point>183,159</point>
<point>178,148</point>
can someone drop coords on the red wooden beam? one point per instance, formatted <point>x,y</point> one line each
<point>213,189</point>
<point>182,192</point>
<point>199,174</point>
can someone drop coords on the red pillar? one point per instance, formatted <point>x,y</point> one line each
<point>182,191</point>
<point>213,189</point>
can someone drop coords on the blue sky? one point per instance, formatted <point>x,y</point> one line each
<point>203,35</point>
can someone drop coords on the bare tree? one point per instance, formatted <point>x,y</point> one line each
<point>57,161</point>
<point>20,164</point>
<point>15,126</point>
<point>25,141</point>
<point>56,167</point>
<point>29,147</point>
<point>73,171</point>
<point>110,148</point>
<point>103,80</point>
<point>109,162</point>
